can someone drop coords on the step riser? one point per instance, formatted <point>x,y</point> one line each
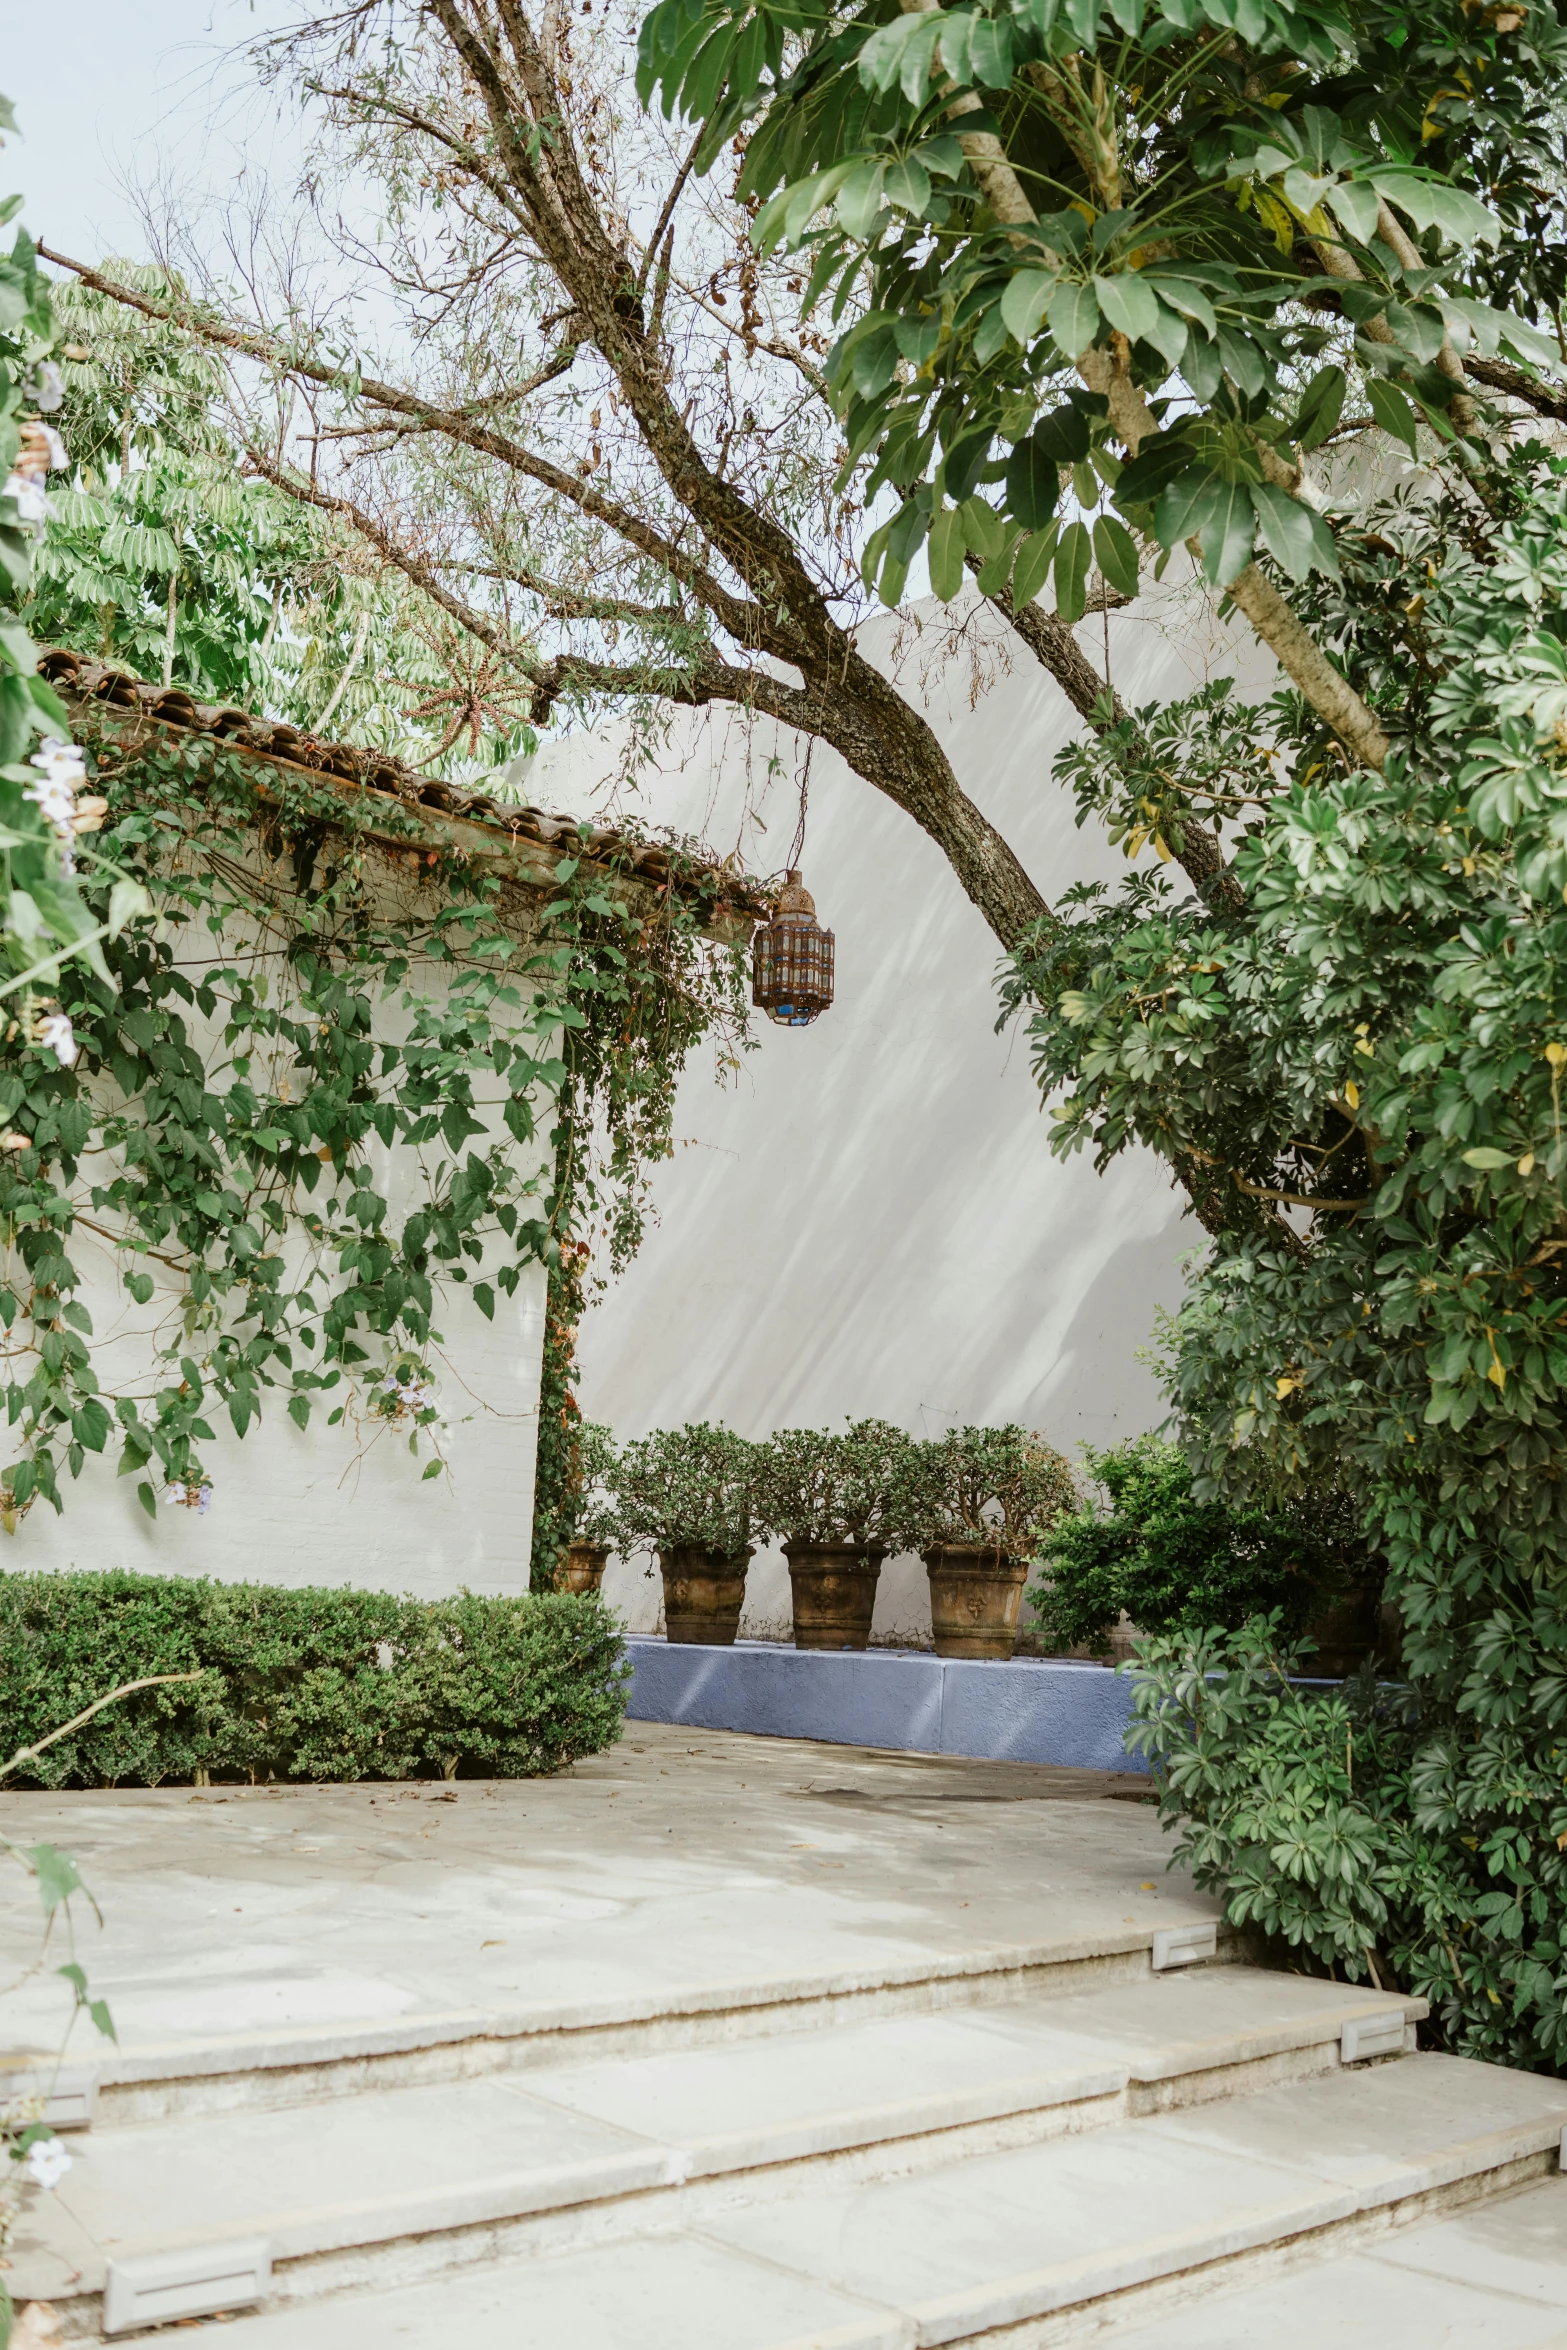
<point>1065,2329</point>
<point>270,2089</point>
<point>1220,2082</point>
<point>417,2259</point>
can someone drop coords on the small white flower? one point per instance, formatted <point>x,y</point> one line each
<point>32,504</point>
<point>48,389</point>
<point>46,2162</point>
<point>62,770</point>
<point>55,1032</point>
<point>62,761</point>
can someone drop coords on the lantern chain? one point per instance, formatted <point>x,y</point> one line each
<point>792,863</point>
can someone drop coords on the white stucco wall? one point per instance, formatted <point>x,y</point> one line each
<point>323,1505</point>
<point>869,1220</point>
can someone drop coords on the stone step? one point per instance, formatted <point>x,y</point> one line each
<point>308,2055</point>
<point>1491,2278</point>
<point>413,2179</point>
<point>1027,2247</point>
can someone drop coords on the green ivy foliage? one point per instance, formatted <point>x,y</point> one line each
<point>1193,210</point>
<point>1168,1560</point>
<point>306,1684</point>
<point>238,1099</point>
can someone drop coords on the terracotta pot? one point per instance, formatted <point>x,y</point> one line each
<point>703,1593</point>
<point>582,1568</point>
<point>976,1592</point>
<point>834,1592</point>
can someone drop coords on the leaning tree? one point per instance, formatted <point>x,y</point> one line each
<point>1119,282</point>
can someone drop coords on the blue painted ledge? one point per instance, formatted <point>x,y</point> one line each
<point>1032,1710</point>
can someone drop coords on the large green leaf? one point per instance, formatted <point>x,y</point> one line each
<point>1023,303</point>
<point>859,199</point>
<point>1321,405</point>
<point>1073,313</point>
<point>1031,568</point>
<point>1115,551</point>
<point>1226,528</point>
<point>907,184</point>
<point>990,52</point>
<point>1128,304</point>
<point>1033,483</point>
<point>946,549</point>
<point>1298,540</point>
<point>1392,412</point>
<point>1435,203</point>
<point>1074,559</point>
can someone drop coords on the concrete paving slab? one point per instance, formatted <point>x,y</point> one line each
<point>658,2293</point>
<point>1190,2022</point>
<point>804,2093</point>
<point>1390,2130</point>
<point>1515,2246</point>
<point>1351,2304</point>
<point>1489,2279</point>
<point>353,2171</point>
<point>1010,2236</point>
<point>781,2099</point>
<point>676,1870</point>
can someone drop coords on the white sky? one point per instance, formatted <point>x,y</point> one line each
<point>108,91</point>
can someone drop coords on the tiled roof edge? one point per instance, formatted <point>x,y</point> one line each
<point>85,679</point>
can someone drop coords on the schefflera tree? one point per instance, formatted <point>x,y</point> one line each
<point>1116,282</point>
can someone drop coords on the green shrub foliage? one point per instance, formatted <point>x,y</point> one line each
<point>1000,1486</point>
<point>310,1684</point>
<point>691,1485</point>
<point>818,1485</point>
<point>1353,1827</point>
<point>1169,1559</point>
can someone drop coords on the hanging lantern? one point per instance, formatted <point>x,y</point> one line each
<point>792,960</point>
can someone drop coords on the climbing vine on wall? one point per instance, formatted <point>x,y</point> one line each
<point>651,988</point>
<point>326,1086</point>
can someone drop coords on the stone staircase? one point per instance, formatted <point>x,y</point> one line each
<point>1137,2140</point>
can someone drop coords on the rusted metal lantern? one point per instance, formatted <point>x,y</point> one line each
<point>792,960</point>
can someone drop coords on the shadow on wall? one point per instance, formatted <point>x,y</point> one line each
<point>870,1221</point>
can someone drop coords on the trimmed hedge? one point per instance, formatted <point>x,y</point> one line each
<point>312,1684</point>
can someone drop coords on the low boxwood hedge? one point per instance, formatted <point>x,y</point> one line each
<point>312,1684</point>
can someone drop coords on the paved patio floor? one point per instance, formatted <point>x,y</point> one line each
<point>678,1860</point>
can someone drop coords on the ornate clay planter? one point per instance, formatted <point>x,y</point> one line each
<point>834,1592</point>
<point>703,1593</point>
<point>976,1592</point>
<point>582,1568</point>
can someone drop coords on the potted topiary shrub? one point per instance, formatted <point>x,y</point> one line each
<point>977,1504</point>
<point>595,1525</point>
<point>829,1497</point>
<point>686,1494</point>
